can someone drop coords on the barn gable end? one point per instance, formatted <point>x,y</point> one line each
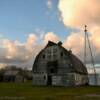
<point>55,65</point>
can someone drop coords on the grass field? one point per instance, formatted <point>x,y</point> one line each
<point>25,91</point>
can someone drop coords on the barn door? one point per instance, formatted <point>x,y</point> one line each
<point>49,82</point>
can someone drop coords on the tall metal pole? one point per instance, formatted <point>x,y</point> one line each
<point>85,31</point>
<point>92,60</point>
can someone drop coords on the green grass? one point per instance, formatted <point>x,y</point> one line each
<point>25,91</point>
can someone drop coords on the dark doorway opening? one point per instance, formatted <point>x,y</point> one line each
<point>49,82</point>
<point>52,67</point>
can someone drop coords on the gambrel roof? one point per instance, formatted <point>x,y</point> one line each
<point>77,64</point>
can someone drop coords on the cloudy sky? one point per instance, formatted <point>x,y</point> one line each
<point>27,25</point>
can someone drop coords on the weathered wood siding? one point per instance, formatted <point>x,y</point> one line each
<point>64,75</point>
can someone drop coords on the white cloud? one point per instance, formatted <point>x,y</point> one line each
<point>10,47</point>
<point>74,41</point>
<point>25,53</point>
<point>15,51</point>
<point>51,36</point>
<point>49,4</point>
<point>2,65</point>
<point>96,37</point>
<point>76,13</point>
<point>31,41</point>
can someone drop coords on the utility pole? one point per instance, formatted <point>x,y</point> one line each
<point>86,39</point>
<point>85,31</point>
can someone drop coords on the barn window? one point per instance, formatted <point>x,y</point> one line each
<point>44,77</point>
<point>49,51</point>
<point>54,56</point>
<point>52,70</point>
<point>54,50</point>
<point>43,56</point>
<point>49,56</point>
<point>61,54</point>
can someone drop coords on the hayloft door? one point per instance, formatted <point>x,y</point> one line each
<point>52,67</point>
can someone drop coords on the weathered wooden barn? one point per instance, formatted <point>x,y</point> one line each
<point>56,66</point>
